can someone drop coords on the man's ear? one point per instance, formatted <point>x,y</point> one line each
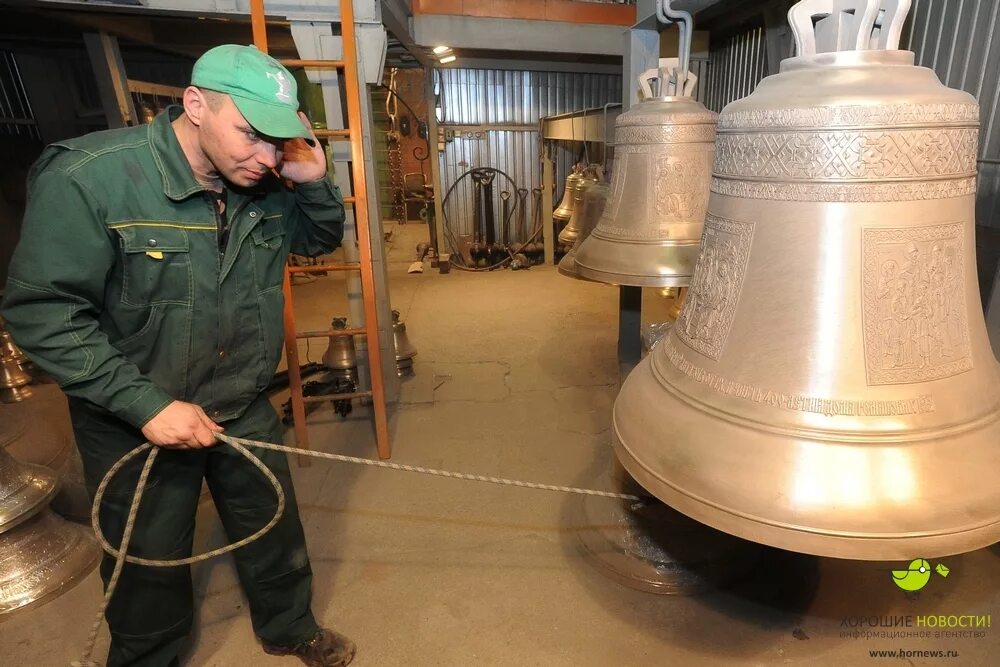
<point>195,104</point>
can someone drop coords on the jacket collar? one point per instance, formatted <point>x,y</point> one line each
<point>178,178</point>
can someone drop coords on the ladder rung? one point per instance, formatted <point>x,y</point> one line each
<point>324,268</point>
<point>323,398</point>
<point>331,332</point>
<point>342,134</point>
<point>349,200</point>
<point>293,62</point>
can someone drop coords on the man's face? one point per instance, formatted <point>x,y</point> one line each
<point>240,155</point>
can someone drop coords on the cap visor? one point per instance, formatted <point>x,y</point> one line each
<point>272,120</point>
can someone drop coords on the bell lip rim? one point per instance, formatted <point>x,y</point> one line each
<point>852,58</point>
<point>85,553</point>
<point>39,491</point>
<point>823,543</point>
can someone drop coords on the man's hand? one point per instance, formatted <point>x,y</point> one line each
<point>181,426</point>
<point>302,163</point>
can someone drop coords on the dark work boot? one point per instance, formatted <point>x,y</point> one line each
<point>326,649</point>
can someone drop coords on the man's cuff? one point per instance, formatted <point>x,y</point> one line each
<point>318,192</point>
<point>146,405</point>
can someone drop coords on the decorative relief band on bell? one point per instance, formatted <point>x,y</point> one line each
<point>848,155</point>
<point>716,286</point>
<point>664,134</point>
<point>921,404</point>
<point>915,325</point>
<point>845,192</point>
<point>852,116</point>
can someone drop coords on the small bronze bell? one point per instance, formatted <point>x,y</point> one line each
<point>595,196</point>
<point>404,348</point>
<point>9,349</point>
<point>13,381</point>
<point>340,355</point>
<point>571,231</point>
<point>829,387</point>
<point>565,209</point>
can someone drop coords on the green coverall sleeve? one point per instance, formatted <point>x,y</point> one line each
<point>55,295</point>
<point>318,218</point>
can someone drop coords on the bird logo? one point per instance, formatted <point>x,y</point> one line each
<point>916,576</point>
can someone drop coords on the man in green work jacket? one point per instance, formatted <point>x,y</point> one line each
<point>148,282</point>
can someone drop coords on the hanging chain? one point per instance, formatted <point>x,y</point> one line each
<point>395,152</point>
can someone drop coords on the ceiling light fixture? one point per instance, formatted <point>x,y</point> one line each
<point>438,50</point>
<point>447,59</point>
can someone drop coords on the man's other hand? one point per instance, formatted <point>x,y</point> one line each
<point>181,425</point>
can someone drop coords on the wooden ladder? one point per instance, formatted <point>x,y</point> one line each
<point>360,202</point>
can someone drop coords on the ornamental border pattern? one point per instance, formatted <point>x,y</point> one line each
<point>848,155</point>
<point>845,192</point>
<point>664,134</point>
<point>859,115</point>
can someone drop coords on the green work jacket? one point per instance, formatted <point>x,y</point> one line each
<point>118,288</point>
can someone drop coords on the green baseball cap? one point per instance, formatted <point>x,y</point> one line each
<point>260,87</point>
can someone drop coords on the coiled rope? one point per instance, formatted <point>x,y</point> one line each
<point>240,444</point>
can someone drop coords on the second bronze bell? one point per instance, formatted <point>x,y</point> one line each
<point>595,197</point>
<point>649,234</point>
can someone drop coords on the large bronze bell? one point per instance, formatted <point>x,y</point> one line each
<point>595,196</point>
<point>650,231</point>
<point>829,387</point>
<point>25,490</point>
<point>571,231</point>
<point>42,558</point>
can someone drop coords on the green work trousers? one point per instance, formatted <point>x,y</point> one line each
<point>151,613</point>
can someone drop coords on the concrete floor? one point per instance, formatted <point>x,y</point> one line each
<point>515,377</point>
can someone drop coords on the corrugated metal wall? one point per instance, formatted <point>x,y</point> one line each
<point>734,69</point>
<point>498,97</point>
<point>960,40</point>
<point>491,118</point>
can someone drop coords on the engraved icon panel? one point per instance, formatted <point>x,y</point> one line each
<point>914,304</point>
<point>715,290</point>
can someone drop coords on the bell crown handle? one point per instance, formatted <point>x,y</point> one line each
<point>669,81</point>
<point>889,23</point>
<point>685,26</point>
<point>847,25</point>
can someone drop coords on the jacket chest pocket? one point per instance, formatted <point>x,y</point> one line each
<point>156,266</point>
<point>269,251</point>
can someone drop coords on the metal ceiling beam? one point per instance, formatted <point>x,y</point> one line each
<point>515,35</point>
<point>398,20</point>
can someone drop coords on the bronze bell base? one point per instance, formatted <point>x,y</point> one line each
<point>650,547</point>
<point>42,558</point>
<point>662,265</point>
<point>567,266</point>
<point>720,486</point>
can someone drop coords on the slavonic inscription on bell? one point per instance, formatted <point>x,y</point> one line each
<point>914,304</point>
<point>715,289</point>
